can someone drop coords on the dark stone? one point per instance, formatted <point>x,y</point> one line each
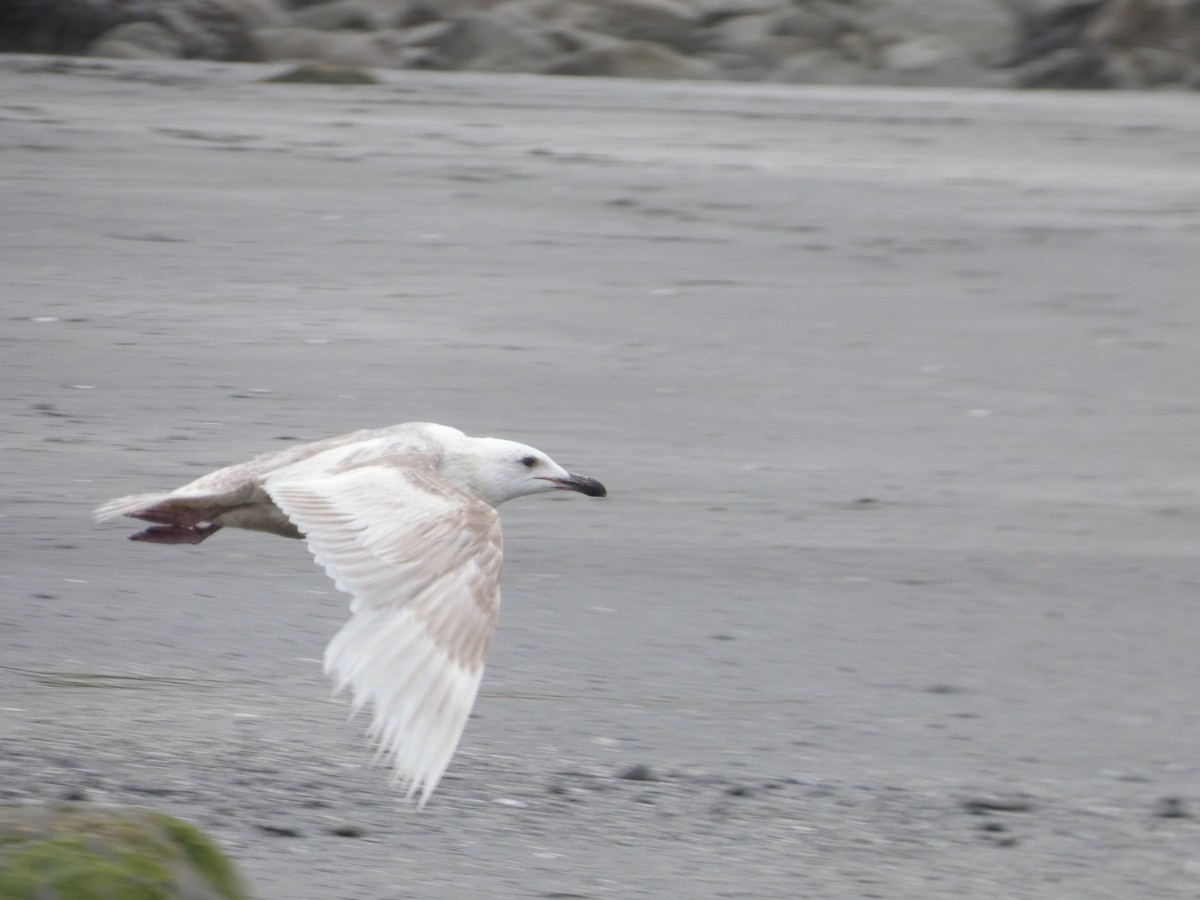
<point>638,772</point>
<point>64,26</point>
<point>1171,808</point>
<point>204,29</point>
<point>279,830</point>
<point>979,806</point>
<point>324,73</point>
<point>945,689</point>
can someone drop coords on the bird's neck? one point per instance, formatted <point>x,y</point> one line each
<point>461,471</point>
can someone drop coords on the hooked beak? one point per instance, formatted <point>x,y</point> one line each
<point>589,487</point>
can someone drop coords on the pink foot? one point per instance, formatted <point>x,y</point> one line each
<point>171,512</point>
<point>175,534</point>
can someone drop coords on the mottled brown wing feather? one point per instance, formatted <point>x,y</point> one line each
<point>239,484</point>
<point>421,561</point>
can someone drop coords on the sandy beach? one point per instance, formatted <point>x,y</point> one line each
<point>894,392</point>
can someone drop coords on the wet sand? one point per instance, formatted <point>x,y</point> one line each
<point>894,392</point>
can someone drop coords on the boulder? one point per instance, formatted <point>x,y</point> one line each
<point>503,39</point>
<point>203,29</point>
<point>618,58</point>
<point>1106,43</point>
<point>660,21</point>
<point>928,59</point>
<point>981,30</point>
<point>323,73</point>
<point>761,35</point>
<point>1147,67</point>
<point>369,49</point>
<point>138,40</point>
<point>80,851</point>
<point>363,15</point>
<point>62,26</point>
<point>219,29</point>
<point>821,67</point>
<point>1066,67</point>
<point>1172,25</point>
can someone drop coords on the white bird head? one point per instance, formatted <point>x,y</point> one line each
<point>496,470</point>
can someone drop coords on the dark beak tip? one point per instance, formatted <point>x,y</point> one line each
<point>589,487</point>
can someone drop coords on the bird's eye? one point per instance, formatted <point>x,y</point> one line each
<point>529,461</point>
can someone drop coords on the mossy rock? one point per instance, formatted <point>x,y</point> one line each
<point>324,73</point>
<point>81,851</point>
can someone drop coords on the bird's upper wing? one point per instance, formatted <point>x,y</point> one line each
<point>421,560</point>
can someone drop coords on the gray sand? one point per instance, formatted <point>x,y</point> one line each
<point>895,393</point>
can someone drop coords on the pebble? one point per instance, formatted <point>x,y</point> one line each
<point>638,772</point>
<point>279,830</point>
<point>979,806</point>
<point>1171,808</point>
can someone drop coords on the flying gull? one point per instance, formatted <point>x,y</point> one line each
<point>403,520</point>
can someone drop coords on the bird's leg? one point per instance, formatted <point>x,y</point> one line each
<point>175,534</point>
<point>176,522</point>
<point>175,512</point>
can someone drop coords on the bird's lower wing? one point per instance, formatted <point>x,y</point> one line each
<point>421,561</point>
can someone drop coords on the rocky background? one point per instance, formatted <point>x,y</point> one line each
<point>1000,43</point>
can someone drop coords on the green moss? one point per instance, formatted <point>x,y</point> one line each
<point>323,73</point>
<point>79,852</point>
<point>75,872</point>
<point>203,856</point>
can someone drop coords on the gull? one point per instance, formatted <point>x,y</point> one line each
<point>403,519</point>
